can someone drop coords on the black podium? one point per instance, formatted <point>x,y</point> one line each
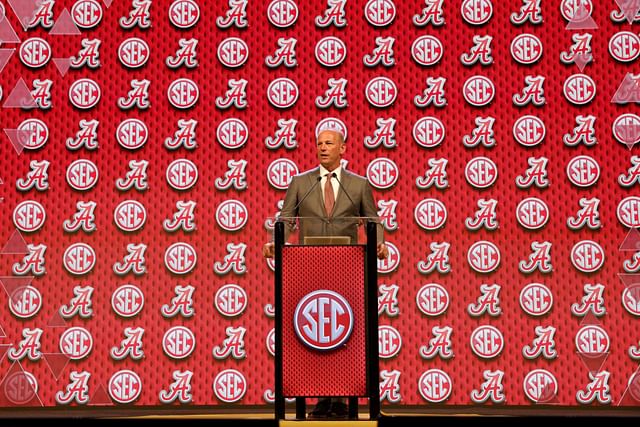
<point>326,312</point>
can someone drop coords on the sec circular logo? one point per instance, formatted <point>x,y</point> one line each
<point>483,256</point>
<point>84,94</point>
<point>233,52</point>
<point>529,131</point>
<point>180,258</point>
<point>382,173</point>
<point>76,343</point>
<point>624,46</point>
<point>323,320</point>
<point>486,341</point>
<point>430,214</point>
<point>427,50</point>
<point>280,173</point>
<point>86,14</point>
<point>271,342</point>
<point>381,92</point>
<point>282,92</point>
<point>576,10</point>
<point>182,174</point>
<point>540,386</point>
<point>330,51</point>
<point>536,299</point>
<point>592,341</point>
<point>184,13</point>
<point>432,299</point>
<point>231,300</point>
<point>132,134</point>
<point>526,49</point>
<point>380,13</point>
<point>532,213</point>
<point>631,299</point>
<point>183,93</point>
<point>389,342</point>
<point>428,132</point>
<point>134,52</point>
<point>626,129</point>
<point>232,133</point>
<point>35,52</point>
<point>82,175</point>
<point>29,216</point>
<point>579,89</point>
<point>628,212</point>
<point>478,91</point>
<point>130,215</point>
<point>583,171</point>
<point>435,385</point>
<point>125,386</point>
<point>178,342</point>
<point>633,386</point>
<point>481,172</point>
<point>282,13</point>
<point>25,302</point>
<point>79,258</point>
<point>127,300</point>
<point>476,12</point>
<point>587,256</point>
<point>22,386</point>
<point>232,215</point>
<point>229,386</point>
<point>33,134</point>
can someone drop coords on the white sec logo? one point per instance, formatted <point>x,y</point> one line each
<point>25,302</point>
<point>232,133</point>
<point>427,50</point>
<point>79,258</point>
<point>483,256</point>
<point>86,13</point>
<point>180,258</point>
<point>380,13</point>
<point>231,300</point>
<point>435,386</point>
<point>232,215</point>
<point>486,341</point>
<point>184,13</point>
<point>84,94</point>
<point>132,134</point>
<point>389,341</point>
<point>430,214</point>
<point>532,213</point>
<point>130,215</point>
<point>529,131</point>
<point>33,134</point>
<point>432,299</point>
<point>330,51</point>
<point>536,299</point>
<point>478,91</point>
<point>382,173</point>
<point>280,172</point>
<point>540,386</point>
<point>323,320</point>
<point>125,386</point>
<point>592,341</point>
<point>82,175</point>
<point>282,13</point>
<point>428,132</point>
<point>76,343</point>
<point>29,216</point>
<point>233,52</point>
<point>182,174</point>
<point>628,211</point>
<point>183,93</point>
<point>282,92</point>
<point>134,52</point>
<point>583,171</point>
<point>127,300</point>
<point>229,386</point>
<point>35,52</point>
<point>178,342</point>
<point>381,92</point>
<point>481,172</point>
<point>579,89</point>
<point>526,49</point>
<point>587,256</point>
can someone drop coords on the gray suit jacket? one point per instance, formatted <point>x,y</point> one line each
<point>355,199</point>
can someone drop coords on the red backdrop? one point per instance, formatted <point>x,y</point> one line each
<point>230,361</point>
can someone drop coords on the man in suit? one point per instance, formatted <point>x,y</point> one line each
<point>350,196</point>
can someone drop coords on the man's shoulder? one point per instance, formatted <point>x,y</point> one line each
<point>353,175</point>
<point>307,173</point>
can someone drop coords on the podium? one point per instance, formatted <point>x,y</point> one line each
<point>326,312</point>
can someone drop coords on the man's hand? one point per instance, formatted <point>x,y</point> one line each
<point>268,250</point>
<point>382,251</point>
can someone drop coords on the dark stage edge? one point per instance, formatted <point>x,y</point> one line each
<point>261,416</point>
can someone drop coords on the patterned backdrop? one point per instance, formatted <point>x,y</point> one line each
<point>146,144</point>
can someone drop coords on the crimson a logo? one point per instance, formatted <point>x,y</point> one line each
<point>323,320</point>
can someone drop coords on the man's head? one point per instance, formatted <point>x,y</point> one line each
<point>330,147</point>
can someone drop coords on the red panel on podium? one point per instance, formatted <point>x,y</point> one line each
<point>307,371</point>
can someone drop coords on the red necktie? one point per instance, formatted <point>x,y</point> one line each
<point>329,198</point>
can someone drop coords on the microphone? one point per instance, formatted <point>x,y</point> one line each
<point>333,175</point>
<point>295,208</point>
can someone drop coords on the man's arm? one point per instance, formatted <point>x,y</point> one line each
<point>287,211</point>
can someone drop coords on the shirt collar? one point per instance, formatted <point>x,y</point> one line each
<point>337,171</point>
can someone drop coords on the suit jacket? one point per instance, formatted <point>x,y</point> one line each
<point>304,199</point>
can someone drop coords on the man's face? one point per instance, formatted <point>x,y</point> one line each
<point>330,149</point>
